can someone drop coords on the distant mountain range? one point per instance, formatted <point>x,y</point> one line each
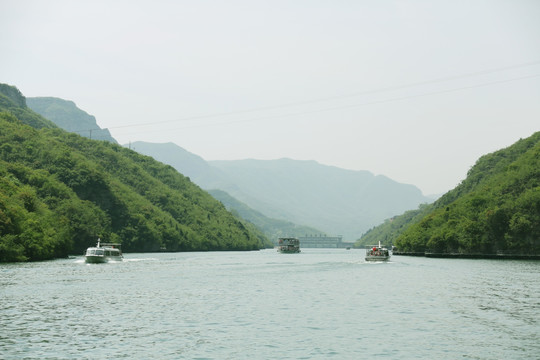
<point>306,196</point>
<point>337,201</point>
<point>272,228</point>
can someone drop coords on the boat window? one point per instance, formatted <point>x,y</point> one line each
<point>99,252</point>
<point>107,253</point>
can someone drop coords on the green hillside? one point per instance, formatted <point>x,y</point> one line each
<point>13,101</point>
<point>60,191</point>
<point>389,231</point>
<point>495,210</point>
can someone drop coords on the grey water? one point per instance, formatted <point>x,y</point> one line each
<point>319,304</point>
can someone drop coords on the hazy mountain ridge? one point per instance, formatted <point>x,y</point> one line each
<point>189,164</point>
<point>334,200</point>
<point>69,117</point>
<point>211,178</point>
<point>340,202</point>
<point>273,228</point>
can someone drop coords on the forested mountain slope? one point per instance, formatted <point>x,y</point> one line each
<point>60,191</point>
<point>496,209</point>
<point>13,101</point>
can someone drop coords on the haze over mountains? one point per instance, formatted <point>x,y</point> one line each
<point>313,196</point>
<point>495,210</point>
<point>334,200</point>
<point>69,117</point>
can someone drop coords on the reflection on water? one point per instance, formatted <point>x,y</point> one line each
<point>321,303</point>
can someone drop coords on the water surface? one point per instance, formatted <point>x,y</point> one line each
<point>319,304</point>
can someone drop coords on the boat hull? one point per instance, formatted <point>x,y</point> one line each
<point>289,251</point>
<point>93,259</point>
<point>377,258</point>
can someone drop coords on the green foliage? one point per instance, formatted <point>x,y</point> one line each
<point>12,101</point>
<point>496,209</point>
<point>29,229</point>
<point>60,191</point>
<point>388,232</point>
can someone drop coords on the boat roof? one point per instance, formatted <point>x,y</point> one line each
<point>106,246</point>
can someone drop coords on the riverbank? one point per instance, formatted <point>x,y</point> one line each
<point>468,256</point>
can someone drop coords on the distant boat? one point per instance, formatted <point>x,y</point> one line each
<point>377,253</point>
<point>288,245</point>
<point>103,252</point>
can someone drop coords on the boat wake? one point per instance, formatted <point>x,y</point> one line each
<point>378,262</point>
<point>140,259</point>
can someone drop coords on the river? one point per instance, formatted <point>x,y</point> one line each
<point>319,304</point>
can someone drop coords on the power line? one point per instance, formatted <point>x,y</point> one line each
<point>363,93</point>
<point>368,92</point>
<point>354,105</point>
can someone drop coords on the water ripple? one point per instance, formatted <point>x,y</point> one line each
<point>322,304</point>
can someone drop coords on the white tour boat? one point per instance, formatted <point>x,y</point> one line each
<point>103,252</point>
<point>377,253</point>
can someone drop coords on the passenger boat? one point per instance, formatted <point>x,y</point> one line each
<point>288,245</point>
<point>103,252</point>
<point>377,253</point>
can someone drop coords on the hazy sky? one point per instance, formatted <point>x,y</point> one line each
<point>414,90</point>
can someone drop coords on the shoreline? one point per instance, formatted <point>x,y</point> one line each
<point>468,256</point>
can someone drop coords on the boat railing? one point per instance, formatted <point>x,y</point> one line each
<point>113,245</point>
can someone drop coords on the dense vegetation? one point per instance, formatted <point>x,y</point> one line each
<point>495,210</point>
<point>388,232</point>
<point>14,102</point>
<point>60,191</point>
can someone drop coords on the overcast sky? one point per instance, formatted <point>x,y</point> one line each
<point>414,90</point>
